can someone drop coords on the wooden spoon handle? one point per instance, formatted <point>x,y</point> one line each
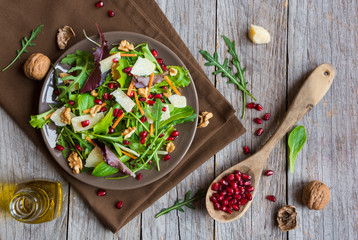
<point>312,91</point>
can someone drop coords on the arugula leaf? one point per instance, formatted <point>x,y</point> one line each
<point>122,63</point>
<point>103,169</point>
<point>108,138</point>
<point>296,141</point>
<point>85,101</point>
<point>158,106</point>
<point>178,115</point>
<point>38,121</point>
<point>181,79</point>
<point>148,55</point>
<point>102,126</point>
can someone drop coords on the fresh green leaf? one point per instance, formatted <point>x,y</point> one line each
<point>178,114</point>
<point>181,79</point>
<point>38,121</point>
<point>24,44</point>
<point>103,170</point>
<point>296,141</point>
<point>148,55</point>
<point>186,202</point>
<point>85,101</point>
<point>102,126</point>
<point>122,63</point>
<point>157,115</point>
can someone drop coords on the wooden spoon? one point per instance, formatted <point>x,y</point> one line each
<point>312,91</point>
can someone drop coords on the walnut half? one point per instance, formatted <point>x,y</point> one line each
<point>75,162</point>
<point>125,46</point>
<point>66,116</point>
<point>287,218</point>
<point>204,119</point>
<point>170,147</point>
<point>128,132</point>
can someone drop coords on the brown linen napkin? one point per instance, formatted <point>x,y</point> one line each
<point>19,96</point>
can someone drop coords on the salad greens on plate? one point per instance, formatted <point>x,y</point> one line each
<point>116,109</point>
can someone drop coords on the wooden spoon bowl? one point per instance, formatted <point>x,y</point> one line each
<point>311,92</point>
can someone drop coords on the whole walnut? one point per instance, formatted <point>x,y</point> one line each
<point>316,195</point>
<point>36,66</point>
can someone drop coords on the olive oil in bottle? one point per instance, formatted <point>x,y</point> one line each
<point>36,201</point>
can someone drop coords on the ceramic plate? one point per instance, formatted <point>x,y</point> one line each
<point>182,143</point>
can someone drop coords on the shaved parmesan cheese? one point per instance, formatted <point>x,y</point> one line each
<point>94,158</point>
<point>123,100</point>
<point>143,67</point>
<point>106,64</point>
<point>76,122</point>
<point>177,101</point>
<point>166,113</point>
<point>56,117</point>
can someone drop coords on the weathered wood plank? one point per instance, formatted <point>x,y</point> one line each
<point>198,32</point>
<point>319,33</point>
<point>266,77</point>
<point>21,161</point>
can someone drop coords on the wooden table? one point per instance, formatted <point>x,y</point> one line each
<point>304,34</point>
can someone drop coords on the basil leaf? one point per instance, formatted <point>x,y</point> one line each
<point>103,169</point>
<point>102,126</point>
<point>85,101</point>
<point>296,141</point>
<point>178,114</point>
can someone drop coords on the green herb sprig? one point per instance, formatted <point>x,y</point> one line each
<point>296,141</point>
<point>226,70</point>
<point>186,202</point>
<point>25,42</point>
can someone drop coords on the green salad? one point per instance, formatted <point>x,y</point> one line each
<point>116,109</point>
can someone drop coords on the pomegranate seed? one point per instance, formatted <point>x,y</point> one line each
<point>139,177</point>
<point>105,96</point>
<point>115,60</point>
<point>213,199</point>
<point>164,109</point>
<point>99,4</point>
<point>259,132</point>
<point>142,141</point>
<point>271,198</point>
<point>119,204</point>
<point>158,95</point>
<point>126,142</point>
<point>230,177</point>
<point>233,201</point>
<point>166,157</point>
<point>248,183</point>
<point>85,123</point>
<point>246,150</point>
<point>217,206</point>
<point>223,193</point>
<point>257,120</point>
<point>242,201</point>
<point>237,177</point>
<point>246,177</point>
<point>237,172</point>
<point>228,197</point>
<point>220,198</point>
<point>110,97</point>
<point>241,189</point>
<point>236,191</point>
<point>258,107</point>
<point>110,13</point>
<point>215,186</point>
<point>131,94</point>
<point>59,147</point>
<point>229,211</point>
<point>236,208</point>
<point>234,185</point>
<point>71,102</point>
<point>103,109</point>
<point>161,99</point>
<point>236,196</point>
<point>110,130</point>
<point>164,67</point>
<point>115,112</point>
<point>268,173</point>
<point>56,92</point>
<point>143,134</point>
<point>223,182</point>
<point>98,101</point>
<point>101,192</point>
<point>150,96</point>
<point>127,69</point>
<point>78,147</point>
<point>161,135</point>
<point>223,208</point>
<point>175,134</point>
<point>165,88</point>
<point>241,182</point>
<point>248,196</point>
<point>170,139</point>
<point>143,119</point>
<point>224,202</point>
<point>130,74</point>
<point>154,53</point>
<point>250,105</point>
<point>110,85</point>
<point>150,102</point>
<point>160,61</point>
<point>117,85</point>
<point>230,191</point>
<point>249,188</point>
<point>142,99</point>
<point>120,112</point>
<point>266,117</point>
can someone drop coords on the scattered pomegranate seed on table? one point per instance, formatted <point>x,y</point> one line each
<point>154,53</point>
<point>246,150</point>
<point>85,123</point>
<point>110,13</point>
<point>259,132</point>
<point>139,177</point>
<point>99,4</point>
<point>119,204</point>
<point>258,107</point>
<point>250,105</point>
<point>271,198</point>
<point>257,120</point>
<point>59,147</point>
<point>268,173</point>
<point>101,192</point>
<point>266,117</point>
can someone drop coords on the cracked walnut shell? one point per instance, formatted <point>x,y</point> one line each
<point>204,119</point>
<point>64,34</point>
<point>75,162</point>
<point>316,195</point>
<point>36,66</point>
<point>287,218</point>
